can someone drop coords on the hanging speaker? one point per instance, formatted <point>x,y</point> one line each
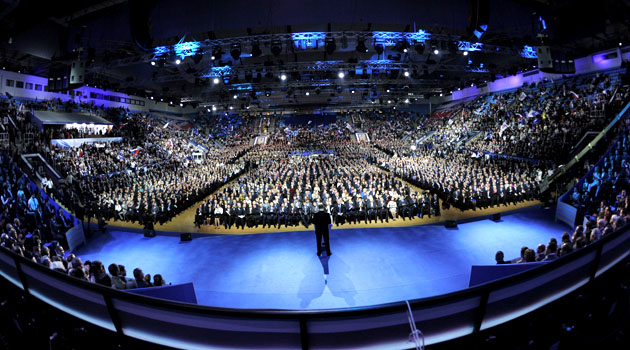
<point>77,73</point>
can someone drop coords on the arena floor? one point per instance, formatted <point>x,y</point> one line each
<point>368,266</point>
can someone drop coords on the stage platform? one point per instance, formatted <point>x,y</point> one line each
<point>369,265</point>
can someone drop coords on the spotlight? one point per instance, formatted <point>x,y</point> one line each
<point>379,48</point>
<point>620,44</point>
<point>352,91</point>
<point>235,51</point>
<point>402,46</point>
<point>151,97</point>
<point>256,51</point>
<point>472,84</point>
<point>389,101</point>
<point>216,52</point>
<point>181,105</point>
<point>406,100</point>
<point>213,58</point>
<point>361,45</point>
<point>387,90</point>
<point>341,75</point>
<point>214,108</point>
<point>178,61</point>
<point>276,47</point>
<point>307,93</point>
<point>329,45</point>
<point>208,109</point>
<point>436,52</point>
<point>231,107</point>
<point>267,93</point>
<point>283,77</point>
<point>465,53</point>
<point>406,73</point>
<point>441,94</point>
<point>153,63</point>
<point>235,97</point>
<point>215,81</point>
<point>420,47</point>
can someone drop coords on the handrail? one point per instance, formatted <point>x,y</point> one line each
<point>588,147</point>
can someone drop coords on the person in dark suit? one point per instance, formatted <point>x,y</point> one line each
<point>321,220</point>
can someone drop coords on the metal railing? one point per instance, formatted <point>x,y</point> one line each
<point>440,318</point>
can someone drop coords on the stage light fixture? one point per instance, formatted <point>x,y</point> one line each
<point>267,93</point>
<point>441,94</point>
<point>213,58</point>
<point>215,81</point>
<point>465,53</point>
<point>406,73</point>
<point>341,75</point>
<point>361,45</point>
<point>214,108</point>
<point>387,90</point>
<point>235,97</point>
<point>276,47</point>
<point>151,97</point>
<point>235,51</point>
<point>379,48</point>
<point>178,61</point>
<point>402,46</point>
<point>307,93</point>
<point>216,52</point>
<point>436,52</point>
<point>329,45</point>
<point>181,105</point>
<point>283,77</point>
<point>153,63</point>
<point>256,51</point>
<point>231,107</point>
<point>406,100</point>
<point>420,46</point>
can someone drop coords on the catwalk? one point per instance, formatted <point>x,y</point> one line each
<point>368,266</point>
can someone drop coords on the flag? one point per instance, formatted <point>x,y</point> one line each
<point>503,128</point>
<point>120,156</point>
<point>170,143</point>
<point>135,151</point>
<point>532,114</point>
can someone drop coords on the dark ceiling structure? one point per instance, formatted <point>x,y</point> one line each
<point>279,54</point>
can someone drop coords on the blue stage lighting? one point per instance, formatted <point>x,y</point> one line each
<point>186,49</point>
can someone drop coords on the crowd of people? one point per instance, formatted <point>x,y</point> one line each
<point>601,199</point>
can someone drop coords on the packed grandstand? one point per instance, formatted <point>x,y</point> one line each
<point>493,150</point>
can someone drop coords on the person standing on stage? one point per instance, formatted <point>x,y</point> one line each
<point>322,222</point>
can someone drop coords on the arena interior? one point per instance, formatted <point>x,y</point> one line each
<point>169,170</point>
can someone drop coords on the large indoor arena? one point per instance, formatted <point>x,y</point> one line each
<point>314,175</point>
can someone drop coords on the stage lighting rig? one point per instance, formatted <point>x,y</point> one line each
<point>361,45</point>
<point>235,51</point>
<point>256,51</point>
<point>276,47</point>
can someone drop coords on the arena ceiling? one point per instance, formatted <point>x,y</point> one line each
<point>288,54</point>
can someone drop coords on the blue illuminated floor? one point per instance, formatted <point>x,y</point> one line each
<point>368,266</point>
